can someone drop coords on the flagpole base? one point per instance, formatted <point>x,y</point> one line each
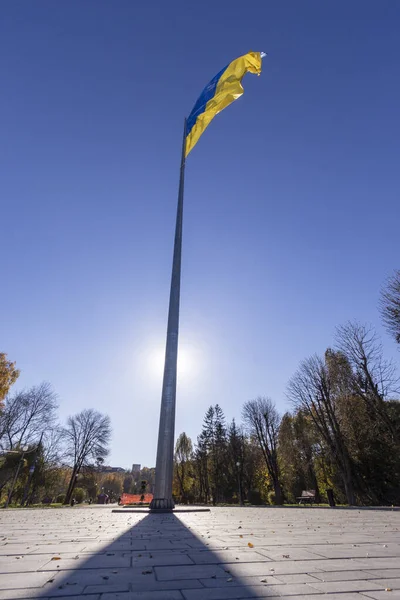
<point>162,505</point>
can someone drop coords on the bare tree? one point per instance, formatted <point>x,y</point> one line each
<point>373,378</point>
<point>262,421</point>
<point>317,388</point>
<point>389,305</point>
<point>86,437</point>
<point>26,415</point>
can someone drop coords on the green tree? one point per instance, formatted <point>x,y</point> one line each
<point>200,466</point>
<point>183,457</point>
<point>298,447</point>
<point>79,495</point>
<point>128,484</point>
<point>236,452</point>
<point>214,436</point>
<point>112,485</point>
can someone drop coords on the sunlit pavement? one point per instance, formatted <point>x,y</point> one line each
<point>222,554</point>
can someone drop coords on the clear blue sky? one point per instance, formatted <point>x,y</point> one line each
<point>292,197</point>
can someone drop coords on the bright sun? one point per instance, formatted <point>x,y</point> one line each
<point>186,362</point>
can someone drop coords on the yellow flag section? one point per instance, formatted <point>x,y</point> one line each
<point>222,90</point>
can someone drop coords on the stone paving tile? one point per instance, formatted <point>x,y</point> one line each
<point>229,581</point>
<point>288,552</point>
<point>300,578</point>
<point>384,573</point>
<point>376,563</point>
<point>270,568</point>
<point>10,581</point>
<point>219,556</point>
<point>168,595</point>
<point>395,595</point>
<point>301,591</point>
<point>389,583</point>
<point>330,587</point>
<point>169,559</point>
<point>188,572</point>
<point>341,576</point>
<point>86,577</point>
<point>94,562</point>
<point>300,553</point>
<point>16,549</point>
<point>21,563</point>
<point>146,585</point>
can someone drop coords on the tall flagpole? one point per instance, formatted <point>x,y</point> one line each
<point>163,500</point>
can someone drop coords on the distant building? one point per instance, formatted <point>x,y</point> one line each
<point>106,469</point>
<point>135,468</point>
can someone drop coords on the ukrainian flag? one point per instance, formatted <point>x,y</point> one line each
<point>222,90</point>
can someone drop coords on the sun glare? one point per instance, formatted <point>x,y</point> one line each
<point>186,361</point>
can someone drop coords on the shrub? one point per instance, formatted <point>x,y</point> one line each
<point>255,497</point>
<point>79,495</point>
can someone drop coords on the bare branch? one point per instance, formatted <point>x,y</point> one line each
<point>389,305</point>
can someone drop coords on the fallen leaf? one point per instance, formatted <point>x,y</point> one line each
<point>56,558</point>
<point>240,536</point>
<point>250,545</point>
<point>388,589</point>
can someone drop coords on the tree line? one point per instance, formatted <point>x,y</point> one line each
<point>342,434</point>
<point>39,457</point>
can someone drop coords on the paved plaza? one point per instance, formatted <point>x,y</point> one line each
<point>227,553</point>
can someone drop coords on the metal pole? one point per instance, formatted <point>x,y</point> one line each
<point>239,466</point>
<point>163,500</point>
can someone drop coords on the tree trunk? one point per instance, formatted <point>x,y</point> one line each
<point>278,492</point>
<point>71,485</point>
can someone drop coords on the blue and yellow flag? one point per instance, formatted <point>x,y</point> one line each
<point>222,90</point>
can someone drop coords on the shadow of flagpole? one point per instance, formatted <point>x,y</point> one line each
<point>157,557</point>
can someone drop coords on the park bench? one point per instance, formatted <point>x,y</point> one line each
<point>307,496</point>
